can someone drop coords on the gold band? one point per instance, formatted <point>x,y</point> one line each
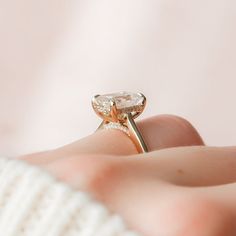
<point>136,135</point>
<point>130,129</point>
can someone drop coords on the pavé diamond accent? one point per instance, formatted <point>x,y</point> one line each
<point>118,126</point>
<point>120,104</point>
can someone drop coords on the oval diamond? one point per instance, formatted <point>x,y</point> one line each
<point>117,105</point>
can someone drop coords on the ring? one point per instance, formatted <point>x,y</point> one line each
<point>118,111</point>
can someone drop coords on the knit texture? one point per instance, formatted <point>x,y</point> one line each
<point>33,203</point>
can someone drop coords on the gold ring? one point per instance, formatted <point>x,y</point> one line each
<point>118,111</point>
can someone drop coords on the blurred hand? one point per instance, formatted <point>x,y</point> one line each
<point>180,188</point>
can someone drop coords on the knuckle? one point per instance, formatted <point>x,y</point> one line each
<point>94,174</point>
<point>101,176</point>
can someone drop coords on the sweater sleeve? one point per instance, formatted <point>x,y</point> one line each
<point>33,203</point>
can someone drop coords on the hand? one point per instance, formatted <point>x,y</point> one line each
<point>180,188</point>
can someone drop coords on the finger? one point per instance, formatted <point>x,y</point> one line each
<point>158,132</point>
<point>130,186</point>
<point>183,166</point>
<point>191,166</point>
<point>165,131</point>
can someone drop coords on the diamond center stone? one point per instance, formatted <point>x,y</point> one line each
<point>120,104</point>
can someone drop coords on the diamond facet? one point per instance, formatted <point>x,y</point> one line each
<point>115,106</point>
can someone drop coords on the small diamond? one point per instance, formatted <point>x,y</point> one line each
<point>118,126</point>
<point>124,103</point>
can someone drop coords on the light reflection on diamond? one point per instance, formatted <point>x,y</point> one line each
<point>125,103</point>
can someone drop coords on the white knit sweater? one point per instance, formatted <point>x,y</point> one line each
<point>33,203</point>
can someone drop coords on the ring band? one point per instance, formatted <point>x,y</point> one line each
<point>118,111</point>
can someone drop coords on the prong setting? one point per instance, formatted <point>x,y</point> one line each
<point>114,111</point>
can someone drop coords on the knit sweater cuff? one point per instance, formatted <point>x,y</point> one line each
<point>33,203</point>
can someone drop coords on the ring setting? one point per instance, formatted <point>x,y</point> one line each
<point>118,111</point>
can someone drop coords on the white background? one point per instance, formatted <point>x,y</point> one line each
<point>56,54</point>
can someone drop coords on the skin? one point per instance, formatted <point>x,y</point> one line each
<point>181,187</point>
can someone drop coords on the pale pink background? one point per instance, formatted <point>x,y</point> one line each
<point>56,54</point>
